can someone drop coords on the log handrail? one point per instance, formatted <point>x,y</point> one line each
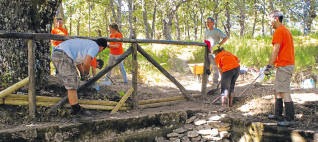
<point>48,36</point>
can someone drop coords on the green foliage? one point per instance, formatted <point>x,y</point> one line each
<point>306,56</point>
<point>121,93</point>
<point>296,32</point>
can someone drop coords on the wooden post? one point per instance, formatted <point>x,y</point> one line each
<point>205,75</point>
<point>122,101</point>
<point>31,91</point>
<point>134,75</point>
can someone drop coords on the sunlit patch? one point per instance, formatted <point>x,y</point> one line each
<point>302,98</point>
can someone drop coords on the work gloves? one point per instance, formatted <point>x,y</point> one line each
<point>268,70</point>
<point>84,77</point>
<point>208,44</point>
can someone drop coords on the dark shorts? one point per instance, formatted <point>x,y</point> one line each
<point>228,80</point>
<point>66,70</point>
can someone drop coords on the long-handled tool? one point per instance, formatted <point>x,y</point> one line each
<point>211,92</point>
<point>250,84</point>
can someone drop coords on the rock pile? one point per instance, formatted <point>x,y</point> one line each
<point>201,127</point>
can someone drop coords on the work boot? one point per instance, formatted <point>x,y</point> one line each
<point>278,113</point>
<point>289,115</point>
<point>79,114</point>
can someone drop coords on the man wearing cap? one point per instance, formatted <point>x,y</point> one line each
<point>69,54</point>
<point>212,37</point>
<point>283,59</point>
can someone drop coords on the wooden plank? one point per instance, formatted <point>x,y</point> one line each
<point>122,101</point>
<point>14,87</point>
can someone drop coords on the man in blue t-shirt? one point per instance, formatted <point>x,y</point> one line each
<point>72,54</point>
<point>214,36</point>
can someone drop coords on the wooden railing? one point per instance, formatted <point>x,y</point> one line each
<point>133,49</point>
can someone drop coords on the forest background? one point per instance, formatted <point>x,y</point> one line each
<point>244,21</point>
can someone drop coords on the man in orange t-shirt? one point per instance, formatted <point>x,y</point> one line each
<point>229,67</point>
<point>283,58</point>
<point>58,30</point>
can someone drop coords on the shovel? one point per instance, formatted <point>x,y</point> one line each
<point>212,91</point>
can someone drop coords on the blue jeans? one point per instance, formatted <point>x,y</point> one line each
<point>112,60</point>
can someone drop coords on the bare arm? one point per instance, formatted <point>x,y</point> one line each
<point>223,40</point>
<point>93,71</point>
<point>87,64</point>
<point>274,54</point>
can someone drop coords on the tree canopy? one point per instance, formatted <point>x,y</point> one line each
<point>185,19</point>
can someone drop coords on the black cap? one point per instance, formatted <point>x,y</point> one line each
<point>101,42</point>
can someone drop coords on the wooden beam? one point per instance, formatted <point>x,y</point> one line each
<point>205,75</point>
<point>122,101</point>
<point>14,87</point>
<point>134,75</point>
<point>47,36</point>
<point>48,104</point>
<point>31,72</point>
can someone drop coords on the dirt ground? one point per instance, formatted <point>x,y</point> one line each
<point>256,102</point>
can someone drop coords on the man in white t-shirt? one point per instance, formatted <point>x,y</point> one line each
<point>69,54</point>
<point>216,38</point>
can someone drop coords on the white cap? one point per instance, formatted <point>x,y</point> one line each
<point>276,13</point>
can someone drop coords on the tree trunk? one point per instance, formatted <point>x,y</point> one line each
<point>241,5</point>
<point>309,15</point>
<point>188,30</point>
<point>255,20</point>
<point>106,20</point>
<point>216,12</point>
<point>228,20</point>
<point>177,27</point>
<point>89,18</point>
<point>70,26</point>
<point>111,5</point>
<point>119,13</point>
<point>25,16</point>
<point>263,17</point>
<point>130,18</point>
<point>78,26</point>
<point>202,23</point>
<point>154,20</point>
<point>172,8</point>
<point>145,19</point>
<point>167,24</point>
<point>271,8</point>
